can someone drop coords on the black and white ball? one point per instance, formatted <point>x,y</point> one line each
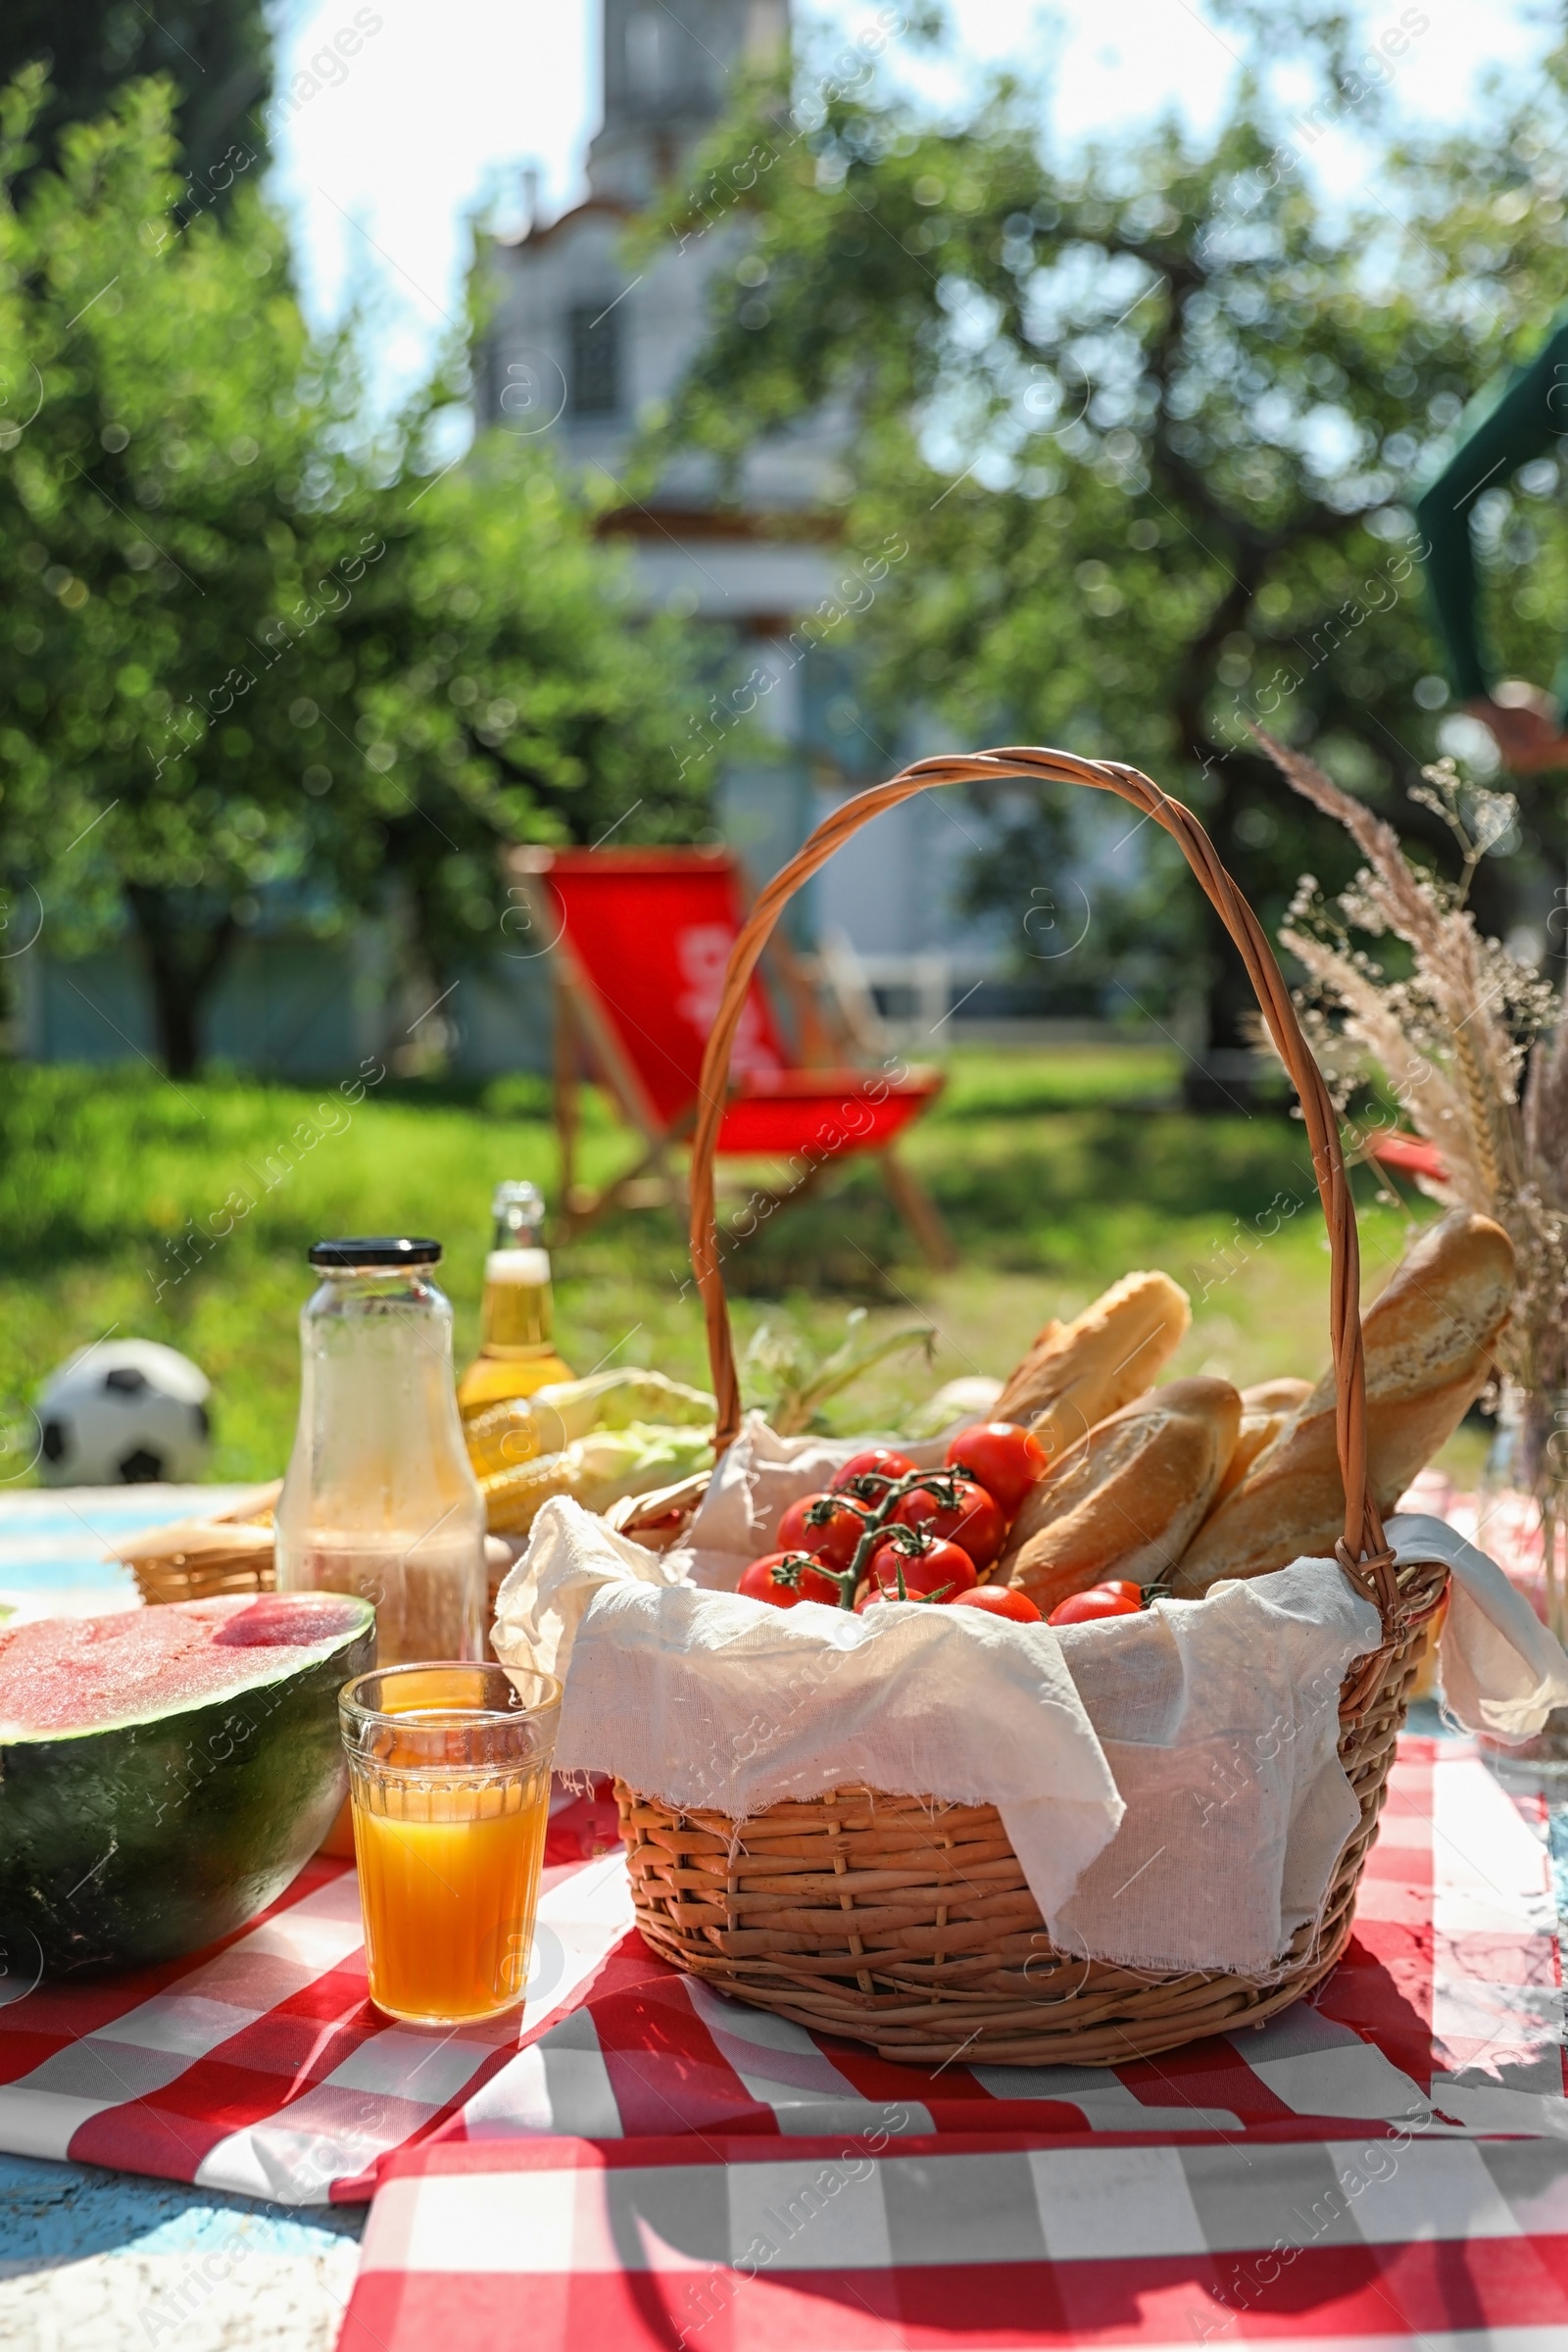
<point>123,1412</point>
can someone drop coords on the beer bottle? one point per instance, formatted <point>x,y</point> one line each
<point>515,1351</point>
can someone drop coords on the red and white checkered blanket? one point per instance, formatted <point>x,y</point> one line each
<point>854,2244</point>
<point>662,2171</point>
<point>261,2068</point>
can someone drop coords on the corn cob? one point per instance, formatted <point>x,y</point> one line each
<point>503,1437</point>
<point>513,1497</point>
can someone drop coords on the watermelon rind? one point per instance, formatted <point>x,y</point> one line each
<point>125,1846</point>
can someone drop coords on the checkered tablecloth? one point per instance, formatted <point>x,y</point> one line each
<point>643,2162</point>
<point>261,2068</point>
<point>662,2171</point>
<point>834,2244</point>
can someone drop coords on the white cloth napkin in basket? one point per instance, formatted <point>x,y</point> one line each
<point>704,1698</point>
<point>1170,1782</point>
<point>1502,1671</point>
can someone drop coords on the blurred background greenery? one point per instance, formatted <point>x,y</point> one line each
<point>1056,1172</point>
<point>1151,420</point>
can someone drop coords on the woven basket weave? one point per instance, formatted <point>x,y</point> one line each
<point>214,1559</point>
<point>206,1559</point>
<point>906,1923</point>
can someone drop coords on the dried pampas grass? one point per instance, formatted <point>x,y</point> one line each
<point>1461,1043</point>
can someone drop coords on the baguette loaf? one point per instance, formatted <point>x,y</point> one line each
<point>1124,1500</point>
<point>1275,1395</point>
<point>1076,1373</point>
<point>1429,1340</point>
<point>1265,1409</point>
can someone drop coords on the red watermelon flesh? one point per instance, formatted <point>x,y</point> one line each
<point>61,1674</point>
<point>163,1772</point>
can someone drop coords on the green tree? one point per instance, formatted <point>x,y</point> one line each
<point>1151,421</point>
<point>248,651</point>
<point>215,53</point>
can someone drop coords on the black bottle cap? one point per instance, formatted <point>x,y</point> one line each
<point>376,1250</point>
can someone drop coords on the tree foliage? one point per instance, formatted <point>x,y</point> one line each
<point>217,54</point>
<point>1152,418</point>
<point>249,656</point>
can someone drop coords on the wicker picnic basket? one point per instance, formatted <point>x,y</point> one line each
<point>904,1922</point>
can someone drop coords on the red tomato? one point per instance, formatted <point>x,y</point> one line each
<point>977,1523</point>
<point>1000,1600</point>
<point>875,1461</point>
<point>785,1578</point>
<point>1122,1585</point>
<point>1005,1460</point>
<point>940,1568</point>
<point>834,1540</point>
<point>1100,1600</point>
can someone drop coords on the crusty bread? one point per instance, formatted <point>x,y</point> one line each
<point>1076,1373</point>
<point>1265,1409</point>
<point>1257,1430</point>
<point>1124,1500</point>
<point>1429,1340</point>
<point>1275,1395</point>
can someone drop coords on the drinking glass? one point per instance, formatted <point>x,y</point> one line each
<point>449,1776</point>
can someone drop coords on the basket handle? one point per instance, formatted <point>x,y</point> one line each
<point>1363,1550</point>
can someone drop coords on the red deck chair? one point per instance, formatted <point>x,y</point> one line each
<point>638,941</point>
<point>1409,1155</point>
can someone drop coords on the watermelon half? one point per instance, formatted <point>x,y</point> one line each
<point>165,1772</point>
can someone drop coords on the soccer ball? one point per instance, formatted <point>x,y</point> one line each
<point>123,1412</point>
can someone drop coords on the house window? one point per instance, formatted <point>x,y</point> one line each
<point>593,341</point>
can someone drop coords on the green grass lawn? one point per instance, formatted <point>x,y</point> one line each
<point>1055,1169</point>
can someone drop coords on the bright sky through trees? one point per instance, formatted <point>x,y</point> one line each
<point>440,109</point>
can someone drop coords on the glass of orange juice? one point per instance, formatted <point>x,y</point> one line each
<point>448,1775</point>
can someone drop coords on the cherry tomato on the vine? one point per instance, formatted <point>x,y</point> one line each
<point>976,1523</point>
<point>1000,1600</point>
<point>786,1578</point>
<point>938,1568</point>
<point>1083,1608</point>
<point>873,1462</point>
<point>1005,1460</point>
<point>833,1540</point>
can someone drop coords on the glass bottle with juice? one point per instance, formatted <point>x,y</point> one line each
<point>379,1498</point>
<point>517,1353</point>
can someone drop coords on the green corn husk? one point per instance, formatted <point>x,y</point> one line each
<point>573,1408</point>
<point>520,1430</point>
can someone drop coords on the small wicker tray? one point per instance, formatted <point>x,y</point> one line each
<point>906,1923</point>
<point>203,1559</point>
<point>207,1559</point>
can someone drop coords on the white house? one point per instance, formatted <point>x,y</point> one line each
<point>584,340</point>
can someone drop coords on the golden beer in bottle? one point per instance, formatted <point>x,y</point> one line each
<point>516,1354</point>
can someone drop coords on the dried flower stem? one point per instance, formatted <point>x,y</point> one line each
<point>1452,1040</point>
